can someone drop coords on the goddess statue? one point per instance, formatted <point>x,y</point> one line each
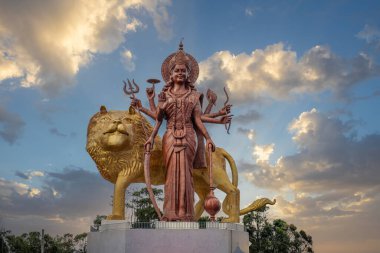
<point>179,103</point>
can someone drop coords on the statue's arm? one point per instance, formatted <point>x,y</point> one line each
<point>222,112</point>
<point>198,122</point>
<point>148,112</point>
<point>222,120</point>
<point>211,97</point>
<point>151,94</point>
<point>136,103</point>
<point>208,108</point>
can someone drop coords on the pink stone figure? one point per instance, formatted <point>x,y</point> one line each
<point>179,104</point>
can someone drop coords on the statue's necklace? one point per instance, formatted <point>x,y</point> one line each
<point>179,106</point>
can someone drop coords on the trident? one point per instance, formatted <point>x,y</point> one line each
<point>132,90</point>
<point>131,93</point>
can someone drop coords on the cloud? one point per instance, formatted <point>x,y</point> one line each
<point>56,132</point>
<point>44,44</point>
<point>161,18</point>
<point>127,60</point>
<point>72,194</point>
<point>29,174</point>
<point>370,34</point>
<point>248,117</point>
<point>333,178</point>
<point>250,133</point>
<point>22,175</point>
<point>249,12</point>
<point>277,73</point>
<point>329,157</point>
<point>11,126</point>
<point>263,152</point>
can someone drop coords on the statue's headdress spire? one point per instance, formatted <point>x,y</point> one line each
<point>180,58</point>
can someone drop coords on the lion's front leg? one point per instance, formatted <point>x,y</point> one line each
<point>118,206</point>
<point>231,204</point>
<point>131,171</point>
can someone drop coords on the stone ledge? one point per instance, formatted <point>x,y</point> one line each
<point>122,224</point>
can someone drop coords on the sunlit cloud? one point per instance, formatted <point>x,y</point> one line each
<point>278,73</point>
<point>127,60</point>
<point>250,133</point>
<point>263,152</point>
<point>28,175</point>
<point>332,179</point>
<point>66,195</point>
<point>334,176</point>
<point>44,44</point>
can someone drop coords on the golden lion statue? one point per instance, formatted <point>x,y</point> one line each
<point>115,141</point>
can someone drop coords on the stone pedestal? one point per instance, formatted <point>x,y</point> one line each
<point>168,237</point>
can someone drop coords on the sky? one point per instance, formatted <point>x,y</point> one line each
<point>303,77</point>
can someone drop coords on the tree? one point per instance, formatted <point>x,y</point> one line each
<point>276,237</point>
<point>98,221</point>
<point>142,205</point>
<point>31,243</point>
<point>4,245</point>
<point>81,242</point>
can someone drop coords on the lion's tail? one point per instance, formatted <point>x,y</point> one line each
<point>233,167</point>
<point>257,205</point>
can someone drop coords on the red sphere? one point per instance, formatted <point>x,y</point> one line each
<point>212,205</point>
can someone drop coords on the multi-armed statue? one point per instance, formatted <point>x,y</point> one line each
<point>122,145</point>
<point>180,104</point>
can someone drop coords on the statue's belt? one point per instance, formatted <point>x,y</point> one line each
<point>179,125</point>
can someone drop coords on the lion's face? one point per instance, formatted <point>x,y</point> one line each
<point>112,130</point>
<point>115,141</point>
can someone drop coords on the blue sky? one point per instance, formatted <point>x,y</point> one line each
<point>303,77</point>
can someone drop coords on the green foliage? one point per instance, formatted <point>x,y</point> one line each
<point>98,221</point>
<point>142,205</point>
<point>3,240</point>
<point>31,243</point>
<point>275,237</point>
<point>204,219</point>
<point>81,241</point>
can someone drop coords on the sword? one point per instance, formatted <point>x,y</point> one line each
<point>148,182</point>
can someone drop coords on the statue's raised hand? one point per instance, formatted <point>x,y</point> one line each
<point>136,103</point>
<point>226,119</point>
<point>225,110</point>
<point>211,96</point>
<point>150,92</point>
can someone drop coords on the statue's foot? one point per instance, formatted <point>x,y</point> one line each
<point>231,219</point>
<point>115,217</point>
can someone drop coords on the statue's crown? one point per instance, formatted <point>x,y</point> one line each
<point>180,58</point>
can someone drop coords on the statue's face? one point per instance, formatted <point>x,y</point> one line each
<point>179,74</point>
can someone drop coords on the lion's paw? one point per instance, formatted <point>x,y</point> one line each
<point>115,217</point>
<point>231,220</point>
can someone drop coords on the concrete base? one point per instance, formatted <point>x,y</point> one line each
<point>168,237</point>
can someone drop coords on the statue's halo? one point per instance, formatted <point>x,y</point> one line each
<point>194,73</point>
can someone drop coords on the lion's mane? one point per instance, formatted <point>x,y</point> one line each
<point>112,162</point>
